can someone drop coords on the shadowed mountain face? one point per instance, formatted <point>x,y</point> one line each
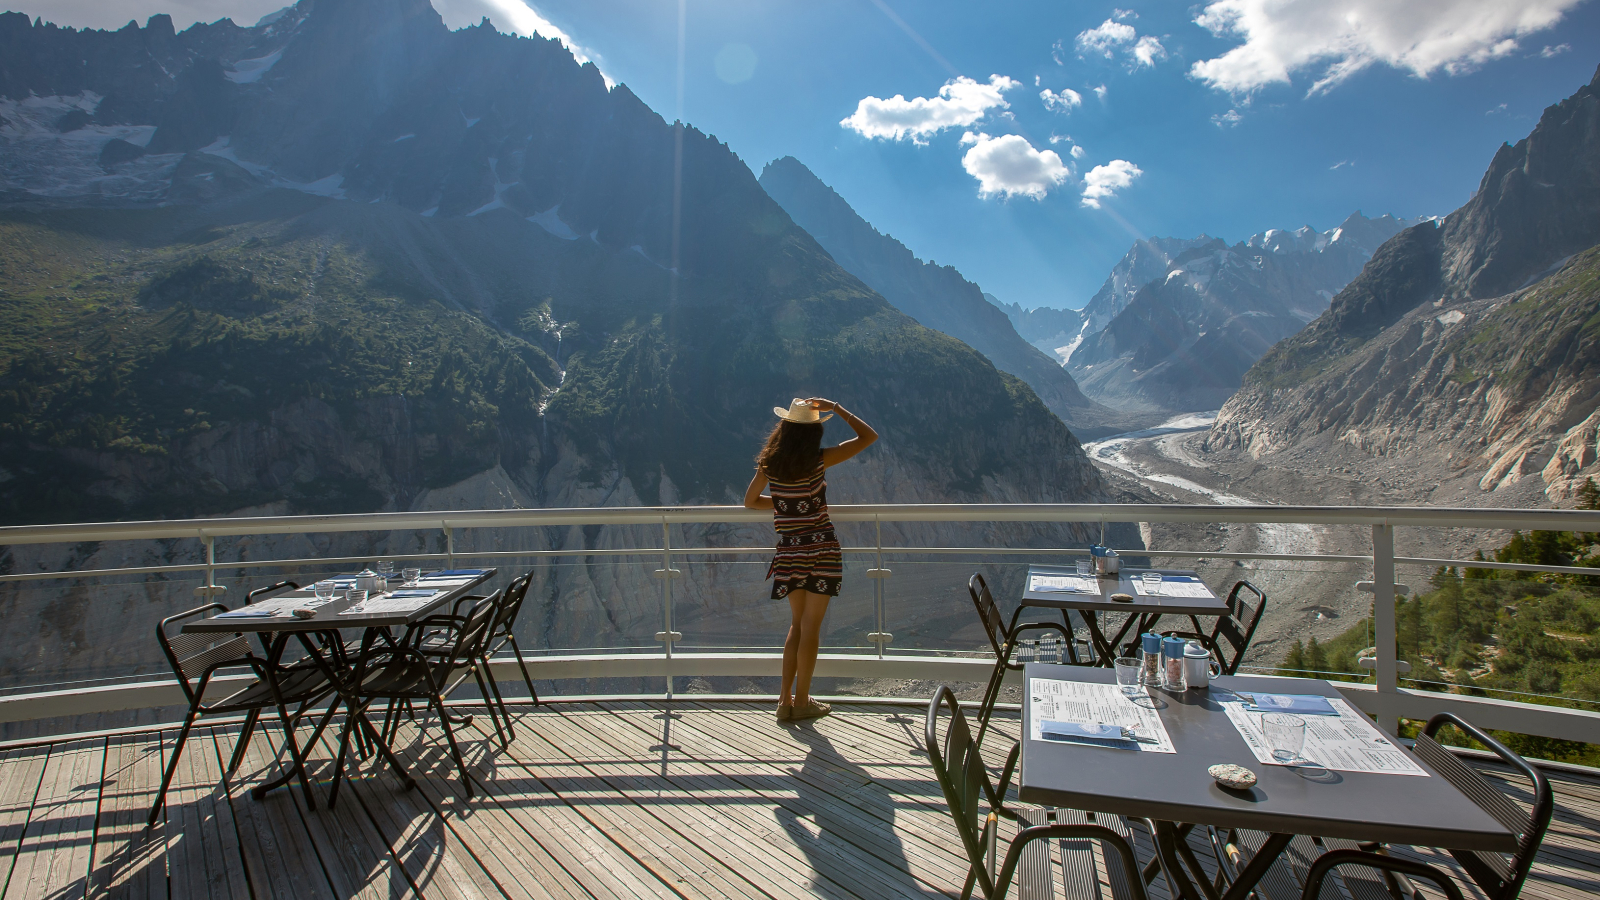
<point>937,296</point>
<point>1183,337</point>
<point>349,258</point>
<point>1466,346</point>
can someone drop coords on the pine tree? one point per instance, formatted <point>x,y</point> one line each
<point>1316,658</point>
<point>1295,662</point>
<point>1589,495</point>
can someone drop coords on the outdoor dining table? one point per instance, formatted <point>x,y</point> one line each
<point>1175,792</point>
<point>332,617</point>
<point>1143,610</point>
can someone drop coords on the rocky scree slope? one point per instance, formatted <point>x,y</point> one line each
<point>936,296</point>
<point>1467,344</point>
<point>1183,339</point>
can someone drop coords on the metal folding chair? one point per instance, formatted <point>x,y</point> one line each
<point>1234,628</point>
<point>1497,875</point>
<point>966,785</point>
<point>195,658</point>
<point>1003,638</point>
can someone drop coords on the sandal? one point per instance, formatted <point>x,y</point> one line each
<point>811,710</point>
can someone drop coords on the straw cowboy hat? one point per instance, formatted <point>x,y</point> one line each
<point>801,412</point>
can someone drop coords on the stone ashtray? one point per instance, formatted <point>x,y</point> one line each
<point>1231,776</point>
<point>305,613</point>
<point>1122,598</point>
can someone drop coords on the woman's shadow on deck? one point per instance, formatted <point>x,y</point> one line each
<point>843,805</point>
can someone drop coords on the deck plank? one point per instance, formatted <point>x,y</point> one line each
<point>129,858</point>
<point>279,857</point>
<point>53,858</point>
<point>527,839</point>
<point>798,828</point>
<point>23,771</point>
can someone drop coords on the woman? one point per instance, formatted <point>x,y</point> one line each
<point>807,567</point>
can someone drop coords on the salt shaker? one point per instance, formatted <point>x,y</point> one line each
<point>1172,650</point>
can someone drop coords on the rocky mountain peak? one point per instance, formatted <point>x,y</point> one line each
<point>1538,203</point>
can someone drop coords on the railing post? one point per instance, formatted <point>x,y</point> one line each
<point>878,573</point>
<point>667,573</point>
<point>210,589</point>
<point>450,545</point>
<point>1384,638</point>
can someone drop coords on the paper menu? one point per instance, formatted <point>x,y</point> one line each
<point>1171,588</point>
<point>1346,743</point>
<point>388,605</point>
<point>1080,584</point>
<point>1054,700</point>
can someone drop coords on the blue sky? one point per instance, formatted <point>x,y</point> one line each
<point>1280,124</point>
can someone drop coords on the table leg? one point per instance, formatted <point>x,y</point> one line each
<point>356,711</point>
<point>1103,652</point>
<point>1257,868</point>
<point>297,761</point>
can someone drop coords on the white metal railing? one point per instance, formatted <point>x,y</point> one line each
<point>1384,698</point>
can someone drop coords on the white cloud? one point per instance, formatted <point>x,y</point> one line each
<point>1062,101</point>
<point>1077,152</point>
<point>1557,50</point>
<point>1498,109</point>
<point>1282,37</point>
<point>1008,165</point>
<point>1227,119</point>
<point>1340,164</point>
<point>1121,14</point>
<point>1147,51</point>
<point>1100,93</point>
<point>1058,52</point>
<point>960,103</point>
<point>1104,181</point>
<point>1105,39</point>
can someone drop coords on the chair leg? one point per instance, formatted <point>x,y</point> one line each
<point>488,703</point>
<point>245,731</point>
<point>295,756</point>
<point>455,750</point>
<point>532,694</point>
<point>505,714</point>
<point>340,756</point>
<point>172,766</point>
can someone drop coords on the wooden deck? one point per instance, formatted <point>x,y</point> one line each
<point>609,800</point>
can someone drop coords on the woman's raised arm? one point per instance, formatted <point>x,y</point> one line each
<point>865,436</point>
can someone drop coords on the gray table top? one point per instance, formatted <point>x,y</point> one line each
<point>1210,605</point>
<point>329,615</point>
<point>1402,809</point>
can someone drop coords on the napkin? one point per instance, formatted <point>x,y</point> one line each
<point>1300,704</point>
<point>453,573</point>
<point>411,592</point>
<point>248,612</point>
<point>1107,735</point>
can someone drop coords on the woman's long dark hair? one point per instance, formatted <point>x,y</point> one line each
<point>792,452</point>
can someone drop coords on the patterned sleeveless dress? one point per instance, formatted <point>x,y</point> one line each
<point>807,556</point>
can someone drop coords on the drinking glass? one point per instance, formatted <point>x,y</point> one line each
<point>386,569</point>
<point>356,596</point>
<point>411,576</point>
<point>1128,671</point>
<point>323,590</point>
<point>1152,582</point>
<point>1286,736</point>
<point>1084,567</point>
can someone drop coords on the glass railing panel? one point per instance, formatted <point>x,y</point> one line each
<point>724,604</point>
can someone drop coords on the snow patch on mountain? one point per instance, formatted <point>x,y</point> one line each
<point>550,221</point>
<point>327,186</point>
<point>249,71</point>
<point>48,150</point>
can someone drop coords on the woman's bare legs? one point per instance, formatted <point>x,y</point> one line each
<point>800,647</point>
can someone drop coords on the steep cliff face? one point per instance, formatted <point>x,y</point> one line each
<point>936,296</point>
<point>1184,339</point>
<point>1441,352</point>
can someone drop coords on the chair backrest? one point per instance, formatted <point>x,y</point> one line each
<point>1500,877</point>
<point>994,625</point>
<point>471,633</point>
<point>962,776</point>
<point>192,655</point>
<point>1238,626</point>
<point>510,605</point>
<point>269,589</point>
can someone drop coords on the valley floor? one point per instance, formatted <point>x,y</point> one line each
<point>1305,598</point>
